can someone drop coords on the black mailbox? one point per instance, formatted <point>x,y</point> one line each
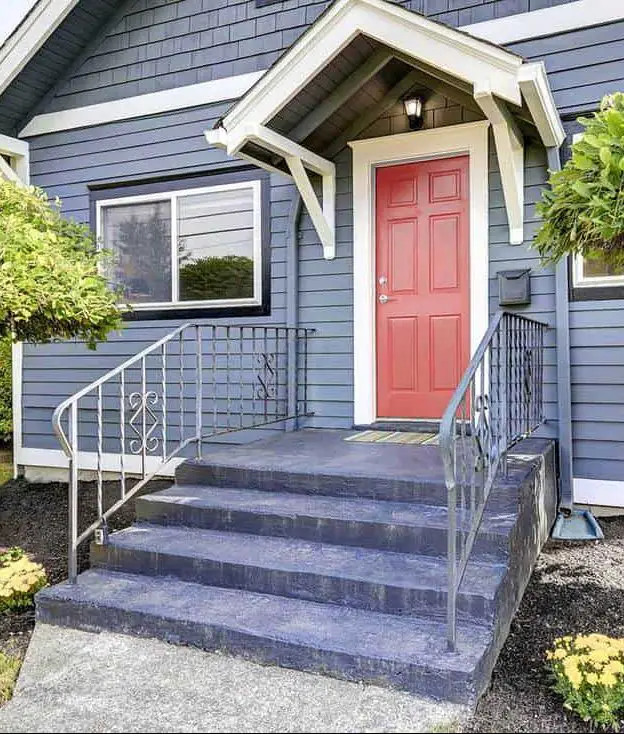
<point>514,287</point>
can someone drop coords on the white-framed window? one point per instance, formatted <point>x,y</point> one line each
<point>196,247</point>
<point>594,272</point>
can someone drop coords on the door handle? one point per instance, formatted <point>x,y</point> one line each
<point>383,298</point>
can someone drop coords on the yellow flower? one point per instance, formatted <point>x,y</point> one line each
<point>591,678</point>
<point>575,677</point>
<point>558,654</point>
<point>614,666</point>
<point>599,655</point>
<point>608,679</point>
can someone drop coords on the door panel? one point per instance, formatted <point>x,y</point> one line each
<point>423,279</point>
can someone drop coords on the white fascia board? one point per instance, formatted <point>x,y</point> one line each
<point>536,91</point>
<point>153,103</point>
<point>30,36</point>
<point>88,461</point>
<point>455,53</point>
<point>548,21</point>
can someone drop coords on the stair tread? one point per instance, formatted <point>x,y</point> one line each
<point>304,623</point>
<point>349,509</point>
<point>292,555</point>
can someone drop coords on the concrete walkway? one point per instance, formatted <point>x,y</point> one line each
<point>83,682</point>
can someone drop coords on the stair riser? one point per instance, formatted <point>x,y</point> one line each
<point>309,586</point>
<point>381,536</point>
<point>450,686</point>
<point>433,492</point>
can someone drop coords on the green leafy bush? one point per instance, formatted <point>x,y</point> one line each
<point>49,272</point>
<point>588,671</point>
<point>6,410</point>
<point>583,211</point>
<point>20,580</point>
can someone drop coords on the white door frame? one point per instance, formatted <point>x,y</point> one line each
<point>471,139</point>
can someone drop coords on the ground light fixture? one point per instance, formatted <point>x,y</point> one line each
<point>413,109</point>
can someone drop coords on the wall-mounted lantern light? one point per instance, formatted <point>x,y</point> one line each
<point>413,110</point>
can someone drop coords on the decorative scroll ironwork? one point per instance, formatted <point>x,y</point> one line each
<point>142,404</point>
<point>266,377</point>
<point>498,402</point>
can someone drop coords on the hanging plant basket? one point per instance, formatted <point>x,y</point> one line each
<point>583,210</point>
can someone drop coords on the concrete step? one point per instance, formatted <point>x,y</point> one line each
<point>401,652</point>
<point>393,526</point>
<point>381,581</point>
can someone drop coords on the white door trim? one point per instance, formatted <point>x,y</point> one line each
<point>470,138</point>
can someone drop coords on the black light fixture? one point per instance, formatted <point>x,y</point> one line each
<point>413,109</point>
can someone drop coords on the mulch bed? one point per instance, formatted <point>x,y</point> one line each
<point>34,517</point>
<point>575,588</point>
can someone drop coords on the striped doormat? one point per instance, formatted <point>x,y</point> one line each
<point>405,437</point>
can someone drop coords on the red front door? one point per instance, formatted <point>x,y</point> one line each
<point>422,286</point>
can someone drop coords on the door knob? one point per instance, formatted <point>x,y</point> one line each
<point>383,298</point>
<point>383,280</point>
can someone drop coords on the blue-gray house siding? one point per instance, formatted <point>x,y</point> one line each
<point>158,44</point>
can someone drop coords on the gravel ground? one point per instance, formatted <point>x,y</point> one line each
<point>574,588</point>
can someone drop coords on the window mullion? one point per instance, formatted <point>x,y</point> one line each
<point>175,285</point>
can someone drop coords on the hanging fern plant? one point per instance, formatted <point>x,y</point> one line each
<point>583,210</point>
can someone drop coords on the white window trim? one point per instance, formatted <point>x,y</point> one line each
<point>600,281</point>
<point>471,139</point>
<point>172,197</point>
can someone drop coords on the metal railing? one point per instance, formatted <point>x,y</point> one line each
<point>199,381</point>
<point>498,402</point>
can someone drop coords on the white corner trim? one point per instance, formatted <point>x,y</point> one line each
<point>598,492</point>
<point>547,21</point>
<point>88,460</point>
<point>30,36</point>
<point>470,138</point>
<point>153,103</point>
<point>17,361</point>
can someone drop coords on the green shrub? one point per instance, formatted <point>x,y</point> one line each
<point>583,210</point>
<point>588,672</point>
<point>6,410</point>
<point>49,273</point>
<point>20,580</point>
<point>9,668</point>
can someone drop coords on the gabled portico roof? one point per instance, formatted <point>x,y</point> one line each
<point>278,127</point>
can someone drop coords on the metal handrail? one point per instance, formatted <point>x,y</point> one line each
<point>498,402</point>
<point>248,368</point>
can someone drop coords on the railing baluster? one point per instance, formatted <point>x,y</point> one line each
<point>181,383</point>
<point>143,419</point>
<point>199,395</point>
<point>215,395</point>
<point>227,376</point>
<point>163,385</point>
<point>122,431</point>
<point>240,378</point>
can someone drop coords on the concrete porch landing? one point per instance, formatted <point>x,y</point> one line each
<point>313,553</point>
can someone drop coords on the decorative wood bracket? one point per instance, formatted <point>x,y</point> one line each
<point>510,151</point>
<point>17,153</point>
<point>298,159</point>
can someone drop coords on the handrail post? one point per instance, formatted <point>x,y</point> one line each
<point>451,603</point>
<point>72,554</point>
